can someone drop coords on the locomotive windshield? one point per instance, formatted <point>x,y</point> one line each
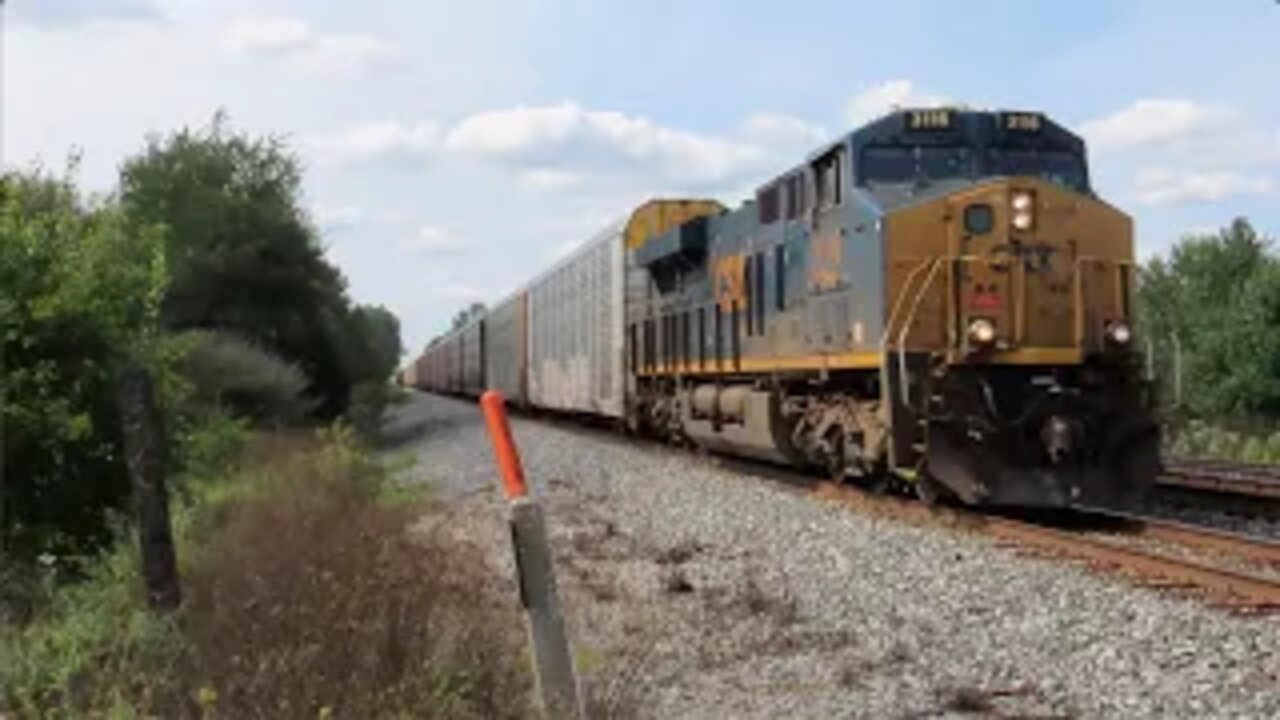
<point>901,164</point>
<point>891,164</point>
<point>1056,166</point>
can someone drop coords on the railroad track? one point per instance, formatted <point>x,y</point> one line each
<point>1221,583</point>
<point>1223,477</point>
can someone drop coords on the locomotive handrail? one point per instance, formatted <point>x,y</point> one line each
<point>906,326</point>
<point>1077,298</point>
<point>933,264</point>
<point>888,328</point>
<point>897,304</point>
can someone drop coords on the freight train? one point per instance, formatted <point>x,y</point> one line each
<point>938,299</point>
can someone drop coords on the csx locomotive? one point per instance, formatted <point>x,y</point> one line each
<point>938,298</point>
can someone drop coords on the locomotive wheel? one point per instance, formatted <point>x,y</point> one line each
<point>880,483</point>
<point>927,490</point>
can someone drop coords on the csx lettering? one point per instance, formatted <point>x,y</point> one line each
<point>1035,257</point>
<point>730,288</point>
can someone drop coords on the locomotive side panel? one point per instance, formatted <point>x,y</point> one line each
<point>791,282</point>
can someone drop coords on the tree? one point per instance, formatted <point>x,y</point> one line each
<point>380,331</point>
<point>467,314</point>
<point>80,289</point>
<point>242,254</point>
<point>1219,295</point>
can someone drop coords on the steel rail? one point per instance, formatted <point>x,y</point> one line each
<point>1223,477</point>
<point>1228,588</point>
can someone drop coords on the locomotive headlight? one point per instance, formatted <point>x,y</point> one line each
<point>1119,333</point>
<point>1023,206</point>
<point>982,331</point>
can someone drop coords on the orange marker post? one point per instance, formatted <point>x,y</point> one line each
<point>504,448</point>
<point>557,682</point>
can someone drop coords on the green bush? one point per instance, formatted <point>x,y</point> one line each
<point>80,287</point>
<point>369,403</point>
<point>1219,295</point>
<point>246,378</point>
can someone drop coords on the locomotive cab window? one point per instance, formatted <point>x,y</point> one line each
<point>827,173</point>
<point>795,196</point>
<point>769,202</point>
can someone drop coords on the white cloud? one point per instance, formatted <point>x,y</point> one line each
<point>345,55</point>
<point>277,34</point>
<point>551,179</point>
<point>306,50</point>
<point>1158,186</point>
<point>376,140</point>
<point>66,13</point>
<point>1155,122</point>
<point>567,135</point>
<point>459,291</point>
<point>872,103</point>
<point>1195,134</point>
<point>1188,151</point>
<point>566,146</point>
<point>435,240</point>
<point>773,129</point>
<point>337,217</point>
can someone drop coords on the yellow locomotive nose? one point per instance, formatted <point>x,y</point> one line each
<point>1028,272</point>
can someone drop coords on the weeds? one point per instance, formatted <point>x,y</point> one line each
<point>1198,439</point>
<point>306,597</point>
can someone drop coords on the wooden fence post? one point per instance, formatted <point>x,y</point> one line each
<point>144,448</point>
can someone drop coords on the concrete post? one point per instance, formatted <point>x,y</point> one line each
<point>535,574</point>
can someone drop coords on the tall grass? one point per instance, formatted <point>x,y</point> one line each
<point>306,596</point>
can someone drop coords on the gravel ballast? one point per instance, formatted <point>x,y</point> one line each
<point>692,591</point>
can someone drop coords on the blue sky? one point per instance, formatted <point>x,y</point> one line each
<point>453,149</point>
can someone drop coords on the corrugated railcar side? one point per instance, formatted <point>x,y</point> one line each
<point>451,349</point>
<point>472,339</point>
<point>507,348</point>
<point>576,317</point>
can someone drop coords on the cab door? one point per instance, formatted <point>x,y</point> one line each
<point>826,282</point>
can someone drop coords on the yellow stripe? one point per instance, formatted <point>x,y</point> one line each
<point>1025,356</point>
<point>1040,356</point>
<point>843,361</point>
<point>864,361</point>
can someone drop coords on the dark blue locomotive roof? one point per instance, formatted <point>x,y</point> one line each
<point>913,153</point>
<point>905,157</point>
<point>970,128</point>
